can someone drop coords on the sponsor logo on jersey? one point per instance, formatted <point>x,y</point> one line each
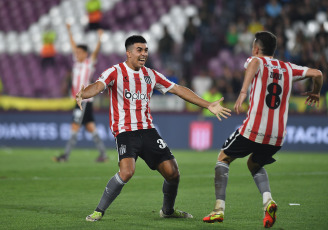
<point>275,67</point>
<point>147,79</point>
<point>136,96</point>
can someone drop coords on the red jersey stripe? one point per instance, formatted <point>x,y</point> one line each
<point>126,105</point>
<point>160,80</point>
<point>147,111</point>
<point>259,112</point>
<point>281,127</point>
<point>114,103</point>
<point>138,103</point>
<point>254,81</point>
<point>268,130</point>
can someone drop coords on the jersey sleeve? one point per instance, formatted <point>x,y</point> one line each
<point>162,83</point>
<point>298,72</point>
<point>249,61</point>
<point>108,77</point>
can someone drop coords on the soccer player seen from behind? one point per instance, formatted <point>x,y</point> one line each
<point>262,133</point>
<point>130,86</point>
<point>83,70</point>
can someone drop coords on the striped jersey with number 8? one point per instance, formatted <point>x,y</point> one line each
<point>268,101</point>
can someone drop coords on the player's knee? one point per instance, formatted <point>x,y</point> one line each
<point>173,176</point>
<point>225,158</point>
<point>127,174</point>
<point>252,166</point>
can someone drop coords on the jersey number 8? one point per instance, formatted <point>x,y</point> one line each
<point>272,99</point>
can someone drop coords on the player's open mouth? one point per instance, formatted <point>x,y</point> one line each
<point>142,60</point>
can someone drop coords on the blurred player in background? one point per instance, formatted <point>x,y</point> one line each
<point>83,70</point>
<point>130,86</point>
<point>262,132</point>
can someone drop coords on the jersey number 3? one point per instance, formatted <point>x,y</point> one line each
<point>272,99</point>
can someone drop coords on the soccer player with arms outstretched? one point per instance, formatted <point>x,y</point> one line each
<point>262,133</point>
<point>130,86</point>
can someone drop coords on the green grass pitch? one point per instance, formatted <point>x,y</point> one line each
<point>36,193</point>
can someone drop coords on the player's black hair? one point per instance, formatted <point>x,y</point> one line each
<point>267,42</point>
<point>134,39</point>
<point>84,47</point>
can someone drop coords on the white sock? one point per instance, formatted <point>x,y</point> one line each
<point>266,198</point>
<point>219,206</point>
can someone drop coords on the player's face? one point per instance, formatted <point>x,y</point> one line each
<point>81,55</point>
<point>137,55</point>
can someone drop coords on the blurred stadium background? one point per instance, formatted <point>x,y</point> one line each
<point>202,44</point>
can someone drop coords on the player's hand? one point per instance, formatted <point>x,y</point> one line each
<point>218,110</point>
<point>78,97</point>
<point>312,99</point>
<point>68,26</point>
<point>238,105</point>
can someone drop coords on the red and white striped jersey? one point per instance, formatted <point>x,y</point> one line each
<point>82,74</point>
<point>129,94</point>
<point>269,99</point>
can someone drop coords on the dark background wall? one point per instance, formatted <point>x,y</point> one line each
<point>304,133</point>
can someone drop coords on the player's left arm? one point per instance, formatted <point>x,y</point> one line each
<point>251,70</point>
<point>188,95</point>
<point>97,49</point>
<point>314,95</point>
<point>90,91</point>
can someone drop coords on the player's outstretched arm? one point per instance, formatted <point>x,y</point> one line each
<point>251,70</point>
<point>97,49</point>
<point>90,91</point>
<point>314,96</point>
<point>71,39</point>
<point>188,95</point>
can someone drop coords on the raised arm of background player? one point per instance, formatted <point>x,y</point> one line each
<point>313,96</point>
<point>181,91</point>
<point>97,49</point>
<point>71,39</point>
<point>73,44</point>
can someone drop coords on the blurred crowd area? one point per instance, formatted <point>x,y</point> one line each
<point>213,52</point>
<point>206,54</point>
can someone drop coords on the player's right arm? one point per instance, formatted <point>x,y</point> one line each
<point>90,91</point>
<point>314,95</point>
<point>71,39</point>
<point>251,70</point>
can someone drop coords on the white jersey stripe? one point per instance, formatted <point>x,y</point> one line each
<point>81,75</point>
